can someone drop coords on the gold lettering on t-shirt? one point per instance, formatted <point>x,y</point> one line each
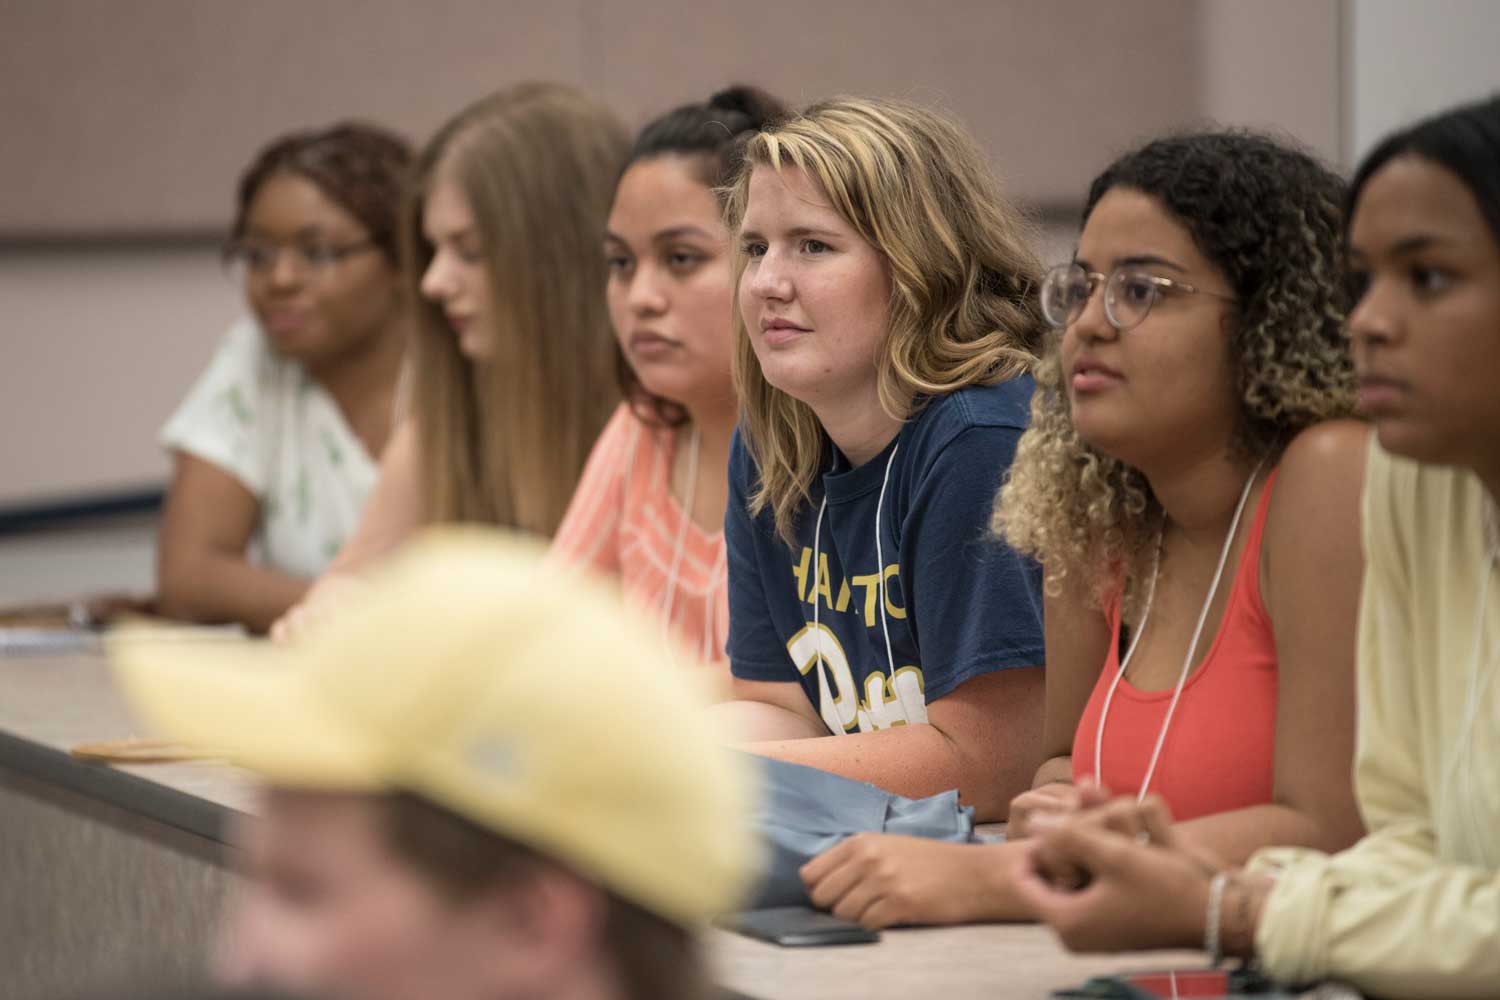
<point>886,701</point>
<point>894,569</point>
<point>870,584</point>
<point>800,572</point>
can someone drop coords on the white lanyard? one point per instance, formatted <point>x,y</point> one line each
<point>669,599</point>
<point>1187,660</point>
<point>890,657</point>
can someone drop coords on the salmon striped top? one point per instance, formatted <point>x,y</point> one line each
<point>624,522</point>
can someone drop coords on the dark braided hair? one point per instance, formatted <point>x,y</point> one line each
<point>712,134</point>
<point>1269,217</point>
<point>361,168</point>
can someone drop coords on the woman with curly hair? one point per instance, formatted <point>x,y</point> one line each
<point>887,326</point>
<point>1192,490</point>
<point>1413,909</point>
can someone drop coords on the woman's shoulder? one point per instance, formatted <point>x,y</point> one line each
<point>626,445</point>
<point>998,404</point>
<point>1327,455</point>
<point>246,358</point>
<point>997,412</point>
<point>1423,506</point>
<point>626,430</point>
<point>1320,478</point>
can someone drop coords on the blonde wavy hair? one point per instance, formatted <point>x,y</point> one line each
<point>1269,219</point>
<point>504,442</point>
<point>964,279</point>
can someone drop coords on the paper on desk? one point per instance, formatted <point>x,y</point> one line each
<point>42,641</point>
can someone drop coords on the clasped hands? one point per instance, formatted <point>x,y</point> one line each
<point>1107,873</point>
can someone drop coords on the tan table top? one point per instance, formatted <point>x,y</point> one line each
<point>932,963</point>
<point>58,701</point>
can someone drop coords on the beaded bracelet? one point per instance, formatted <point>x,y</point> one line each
<point>1211,942</point>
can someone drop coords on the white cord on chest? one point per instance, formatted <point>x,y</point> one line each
<point>1187,660</point>
<point>814,571</point>
<point>669,599</point>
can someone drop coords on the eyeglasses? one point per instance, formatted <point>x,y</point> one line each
<point>258,257</point>
<point>1129,294</point>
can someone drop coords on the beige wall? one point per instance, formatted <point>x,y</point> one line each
<point>1275,64</point>
<point>1408,60</point>
<point>96,346</point>
<point>138,116</point>
<point>141,114</point>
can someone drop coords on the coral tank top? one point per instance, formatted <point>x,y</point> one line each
<point>1219,752</point>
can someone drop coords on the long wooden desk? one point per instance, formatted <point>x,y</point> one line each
<point>112,874</point>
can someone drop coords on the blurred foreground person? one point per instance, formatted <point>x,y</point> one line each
<point>467,795</point>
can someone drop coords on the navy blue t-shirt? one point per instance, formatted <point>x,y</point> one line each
<point>959,602</point>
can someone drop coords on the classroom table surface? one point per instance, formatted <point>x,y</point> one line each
<point>989,961</point>
<point>50,703</point>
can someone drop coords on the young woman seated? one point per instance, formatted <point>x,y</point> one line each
<point>1194,496</point>
<point>510,377</point>
<point>649,510</point>
<point>1413,909</point>
<point>887,326</point>
<point>274,449</point>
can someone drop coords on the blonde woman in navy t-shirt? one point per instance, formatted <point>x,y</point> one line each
<point>886,327</point>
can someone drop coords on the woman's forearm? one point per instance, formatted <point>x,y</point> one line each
<point>915,761</point>
<point>1233,836</point>
<point>219,587</point>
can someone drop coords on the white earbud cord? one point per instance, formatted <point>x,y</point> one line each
<point>885,628</point>
<point>890,657</point>
<point>1187,660</point>
<point>710,604</point>
<point>669,599</point>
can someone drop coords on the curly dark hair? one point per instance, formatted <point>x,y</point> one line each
<point>362,168</point>
<point>1269,217</point>
<point>712,134</point>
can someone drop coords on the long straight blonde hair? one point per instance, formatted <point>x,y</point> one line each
<point>964,306</point>
<point>504,441</point>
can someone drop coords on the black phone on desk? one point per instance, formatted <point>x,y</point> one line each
<point>796,927</point>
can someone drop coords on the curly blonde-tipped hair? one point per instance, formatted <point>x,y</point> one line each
<point>964,280</point>
<point>1269,218</point>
